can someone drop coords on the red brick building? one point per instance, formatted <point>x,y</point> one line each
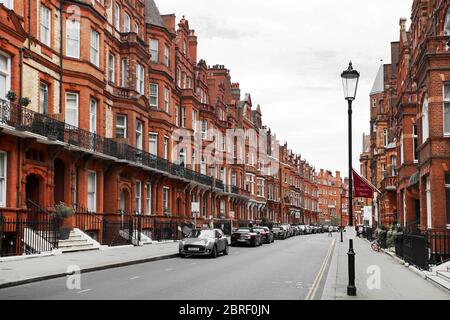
<point>122,117</point>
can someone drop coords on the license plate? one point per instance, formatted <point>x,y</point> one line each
<point>242,240</point>
<point>194,249</point>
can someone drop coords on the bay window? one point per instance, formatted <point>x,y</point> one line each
<point>73,39</point>
<point>153,144</point>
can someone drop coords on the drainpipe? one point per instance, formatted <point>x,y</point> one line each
<point>20,73</point>
<point>19,198</point>
<point>29,24</point>
<point>60,55</point>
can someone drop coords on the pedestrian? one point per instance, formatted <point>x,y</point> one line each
<point>330,231</point>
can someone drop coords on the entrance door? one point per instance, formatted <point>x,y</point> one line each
<point>58,192</point>
<point>122,201</point>
<point>32,188</point>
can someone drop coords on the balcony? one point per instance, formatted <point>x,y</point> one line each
<point>389,183</point>
<point>23,120</point>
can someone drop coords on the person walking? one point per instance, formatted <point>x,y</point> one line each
<point>330,231</point>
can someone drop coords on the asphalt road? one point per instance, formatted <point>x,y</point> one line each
<point>285,270</point>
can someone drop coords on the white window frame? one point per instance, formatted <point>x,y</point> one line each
<point>154,94</point>
<point>428,202</point>
<point>166,147</point>
<point>166,99</point>
<point>177,116</point>
<point>7,74</point>
<point>447,23</point>
<point>93,107</point>
<point>402,149</point>
<point>183,117</point>
<point>153,138</point>
<point>45,23</point>
<point>140,78</point>
<point>121,127</point>
<point>125,73</point>
<point>204,129</point>
<point>112,68</point>
<point>415,138</point>
<point>166,198</point>
<point>154,50</point>
<point>4,179</point>
<point>73,39</point>
<point>425,120</point>
<point>138,196</point>
<point>148,199</point>
<point>166,56</point>
<point>117,16</point>
<point>139,135</point>
<point>95,48</point>
<point>75,122</point>
<point>194,121</point>
<point>446,102</point>
<point>43,97</point>
<point>126,23</point>
<point>92,193</point>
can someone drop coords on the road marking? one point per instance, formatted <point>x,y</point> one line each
<point>169,269</point>
<point>134,278</point>
<point>312,292</point>
<point>84,291</point>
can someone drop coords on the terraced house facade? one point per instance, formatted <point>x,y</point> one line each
<point>106,108</point>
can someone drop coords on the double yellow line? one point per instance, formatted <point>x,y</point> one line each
<point>312,292</point>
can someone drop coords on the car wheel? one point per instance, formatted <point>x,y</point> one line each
<point>214,252</point>
<point>254,243</point>
<point>182,256</point>
<point>227,250</point>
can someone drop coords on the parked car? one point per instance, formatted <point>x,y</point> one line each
<point>280,233</point>
<point>289,229</point>
<point>302,229</point>
<point>247,236</point>
<point>267,235</point>
<point>308,229</point>
<point>206,242</point>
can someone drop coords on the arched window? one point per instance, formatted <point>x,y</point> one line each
<point>447,23</point>
<point>425,121</point>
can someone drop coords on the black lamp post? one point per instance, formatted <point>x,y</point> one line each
<point>350,79</point>
<point>342,225</point>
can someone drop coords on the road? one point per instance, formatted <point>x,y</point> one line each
<point>293,269</point>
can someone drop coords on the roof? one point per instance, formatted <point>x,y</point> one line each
<point>152,14</point>
<point>378,85</point>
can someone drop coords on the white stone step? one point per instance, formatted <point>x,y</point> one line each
<point>439,281</point>
<point>444,275</point>
<point>76,249</point>
<point>73,244</point>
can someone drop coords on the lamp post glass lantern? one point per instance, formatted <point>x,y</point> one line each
<point>350,79</point>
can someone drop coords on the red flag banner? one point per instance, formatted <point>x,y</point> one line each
<point>362,188</point>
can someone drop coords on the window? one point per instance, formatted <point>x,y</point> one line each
<point>179,77</point>
<point>194,121</point>
<point>148,199</point>
<point>140,76</point>
<point>136,28</point>
<point>177,117</point>
<point>72,109</point>
<point>447,23</point>
<point>73,39</point>
<point>5,75</point>
<point>385,137</point>
<point>425,121</point>
<point>415,144</point>
<point>111,68</point>
<point>183,117</point>
<point>3,175</point>
<point>126,23</point>
<point>402,158</point>
<point>124,73</point>
<point>138,192</point>
<point>95,48</point>
<point>222,208</point>
<point>92,191</point>
<point>182,157</point>
<point>139,128</point>
<point>166,147</point>
<point>121,126</point>
<point>428,199</point>
<point>117,16</point>
<point>394,166</point>
<point>166,199</point>
<point>43,98</point>
<point>204,129</point>
<point>447,194</point>
<point>154,50</point>
<point>154,95</point>
<point>153,144</point>
<point>7,3</point>
<point>233,179</point>
<point>93,116</point>
<point>45,26</point>
<point>447,109</point>
<point>166,56</point>
<point>166,99</point>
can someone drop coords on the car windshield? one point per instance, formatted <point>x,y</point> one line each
<point>242,230</point>
<point>202,234</point>
<point>276,229</point>
<point>259,230</point>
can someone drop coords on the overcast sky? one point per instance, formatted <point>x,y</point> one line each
<point>289,55</point>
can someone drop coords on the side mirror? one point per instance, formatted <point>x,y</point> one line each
<point>220,236</point>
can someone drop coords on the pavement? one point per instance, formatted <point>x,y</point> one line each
<point>293,269</point>
<point>16,272</point>
<point>378,277</point>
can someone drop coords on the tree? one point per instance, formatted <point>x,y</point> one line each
<point>335,221</point>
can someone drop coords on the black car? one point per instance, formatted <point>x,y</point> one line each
<point>246,236</point>
<point>267,235</point>
<point>280,233</point>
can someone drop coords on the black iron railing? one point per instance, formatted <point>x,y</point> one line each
<point>24,119</point>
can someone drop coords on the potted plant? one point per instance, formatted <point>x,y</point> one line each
<point>11,96</point>
<point>24,101</point>
<point>167,212</point>
<point>65,216</point>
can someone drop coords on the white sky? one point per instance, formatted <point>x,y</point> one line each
<point>289,55</point>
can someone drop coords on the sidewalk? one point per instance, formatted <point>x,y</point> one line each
<point>14,273</point>
<point>397,282</point>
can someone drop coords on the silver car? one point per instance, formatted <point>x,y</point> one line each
<point>206,242</point>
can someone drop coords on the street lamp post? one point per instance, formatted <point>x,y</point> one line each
<point>350,79</point>
<point>342,225</point>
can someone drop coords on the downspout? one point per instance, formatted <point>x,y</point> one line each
<point>19,145</point>
<point>60,55</point>
<point>29,24</point>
